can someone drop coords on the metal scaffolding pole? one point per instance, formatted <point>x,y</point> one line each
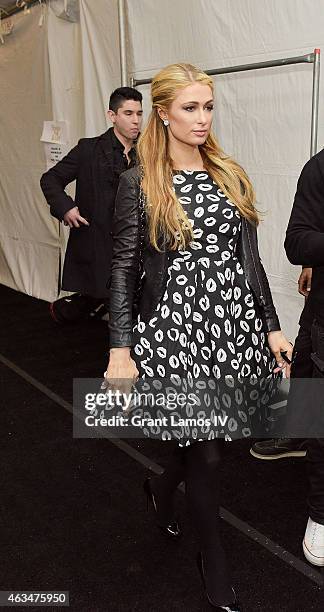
<point>315,99</point>
<point>310,58</point>
<point>122,42</point>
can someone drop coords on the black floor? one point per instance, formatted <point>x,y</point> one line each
<point>72,514</point>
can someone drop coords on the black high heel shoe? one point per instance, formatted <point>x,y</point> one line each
<point>233,607</point>
<point>171,529</point>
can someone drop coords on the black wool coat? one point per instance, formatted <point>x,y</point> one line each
<point>95,164</point>
<point>304,243</point>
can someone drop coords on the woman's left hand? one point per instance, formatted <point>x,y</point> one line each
<point>279,344</point>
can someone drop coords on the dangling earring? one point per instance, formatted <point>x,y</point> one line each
<point>166,122</point>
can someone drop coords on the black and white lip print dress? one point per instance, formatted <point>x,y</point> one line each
<point>205,341</point>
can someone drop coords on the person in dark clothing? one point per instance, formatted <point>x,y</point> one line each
<point>185,247</point>
<point>96,164</point>
<point>282,448</point>
<point>304,245</point>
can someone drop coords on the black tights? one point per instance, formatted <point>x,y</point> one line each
<point>199,466</point>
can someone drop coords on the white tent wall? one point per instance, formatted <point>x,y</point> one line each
<point>85,66</point>
<point>60,71</point>
<point>29,250</point>
<point>100,58</point>
<point>65,66</point>
<point>263,117</point>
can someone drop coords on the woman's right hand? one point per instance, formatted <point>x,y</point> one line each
<point>121,371</point>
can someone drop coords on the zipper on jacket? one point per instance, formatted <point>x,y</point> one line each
<point>262,300</point>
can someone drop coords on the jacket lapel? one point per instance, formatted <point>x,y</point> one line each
<point>105,144</point>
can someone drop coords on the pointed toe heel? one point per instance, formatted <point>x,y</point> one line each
<point>233,607</point>
<point>172,529</point>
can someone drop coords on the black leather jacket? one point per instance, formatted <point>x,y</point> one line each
<point>139,271</point>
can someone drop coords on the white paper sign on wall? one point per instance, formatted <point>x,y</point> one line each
<point>55,138</point>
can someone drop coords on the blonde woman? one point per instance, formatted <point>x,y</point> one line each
<point>187,219</point>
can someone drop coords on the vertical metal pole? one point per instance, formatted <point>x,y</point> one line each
<point>315,99</point>
<point>122,42</point>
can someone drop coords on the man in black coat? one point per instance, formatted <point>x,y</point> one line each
<point>95,164</point>
<point>304,245</point>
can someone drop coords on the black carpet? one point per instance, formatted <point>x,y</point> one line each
<point>73,516</point>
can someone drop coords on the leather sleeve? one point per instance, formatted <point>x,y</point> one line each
<point>259,281</point>
<point>269,311</point>
<point>125,262</point>
<point>54,181</point>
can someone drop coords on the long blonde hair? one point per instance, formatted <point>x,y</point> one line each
<point>166,215</point>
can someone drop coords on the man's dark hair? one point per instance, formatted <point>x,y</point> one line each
<point>121,94</point>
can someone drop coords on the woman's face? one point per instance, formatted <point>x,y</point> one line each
<point>191,114</point>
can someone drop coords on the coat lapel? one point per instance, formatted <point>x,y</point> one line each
<point>106,147</point>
